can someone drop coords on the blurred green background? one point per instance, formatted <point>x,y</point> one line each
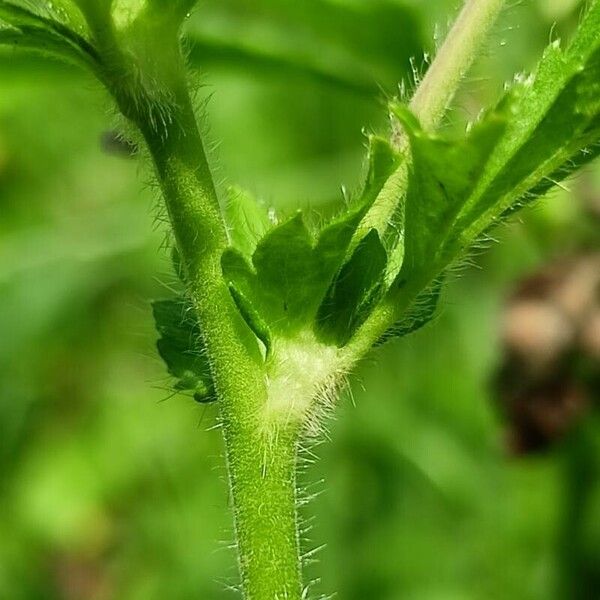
<point>113,489</point>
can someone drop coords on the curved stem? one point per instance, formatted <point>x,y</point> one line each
<point>429,103</point>
<point>453,60</point>
<point>261,473</point>
<point>261,470</point>
<point>433,96</point>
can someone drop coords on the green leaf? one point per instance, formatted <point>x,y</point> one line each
<point>252,317</point>
<point>180,346</point>
<point>353,294</point>
<point>285,265</point>
<point>420,313</point>
<point>280,289</point>
<point>361,53</point>
<point>542,130</point>
<point>32,32</point>
<point>246,219</point>
<point>290,272</point>
<point>205,50</point>
<point>442,176</point>
<point>281,280</point>
<point>95,7</point>
<point>383,160</point>
<point>554,130</point>
<point>17,16</point>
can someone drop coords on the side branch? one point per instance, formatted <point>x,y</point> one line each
<point>453,60</point>
<point>433,96</point>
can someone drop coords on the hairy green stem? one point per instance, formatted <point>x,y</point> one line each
<point>429,103</point>
<point>261,472</point>
<point>261,461</point>
<point>434,95</point>
<point>453,60</point>
<point>263,485</point>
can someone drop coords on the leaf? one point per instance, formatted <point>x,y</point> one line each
<point>420,313</point>
<point>354,292</point>
<point>279,290</point>
<point>204,50</point>
<point>543,129</point>
<point>180,346</point>
<point>289,273</point>
<point>286,267</point>
<point>281,280</point>
<point>361,53</point>
<point>443,173</point>
<point>252,317</point>
<point>29,31</point>
<point>383,161</point>
<point>247,220</point>
<point>555,129</point>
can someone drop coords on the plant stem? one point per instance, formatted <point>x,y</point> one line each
<point>580,471</point>
<point>263,484</point>
<point>429,103</point>
<point>261,473</point>
<point>432,98</point>
<point>261,467</point>
<point>453,60</point>
<point>262,478</point>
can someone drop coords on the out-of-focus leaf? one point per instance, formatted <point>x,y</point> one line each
<point>180,346</point>
<point>203,51</point>
<point>350,45</point>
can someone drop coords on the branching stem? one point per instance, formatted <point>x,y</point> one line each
<point>429,103</point>
<point>261,467</point>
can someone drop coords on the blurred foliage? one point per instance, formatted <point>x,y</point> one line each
<point>107,492</point>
